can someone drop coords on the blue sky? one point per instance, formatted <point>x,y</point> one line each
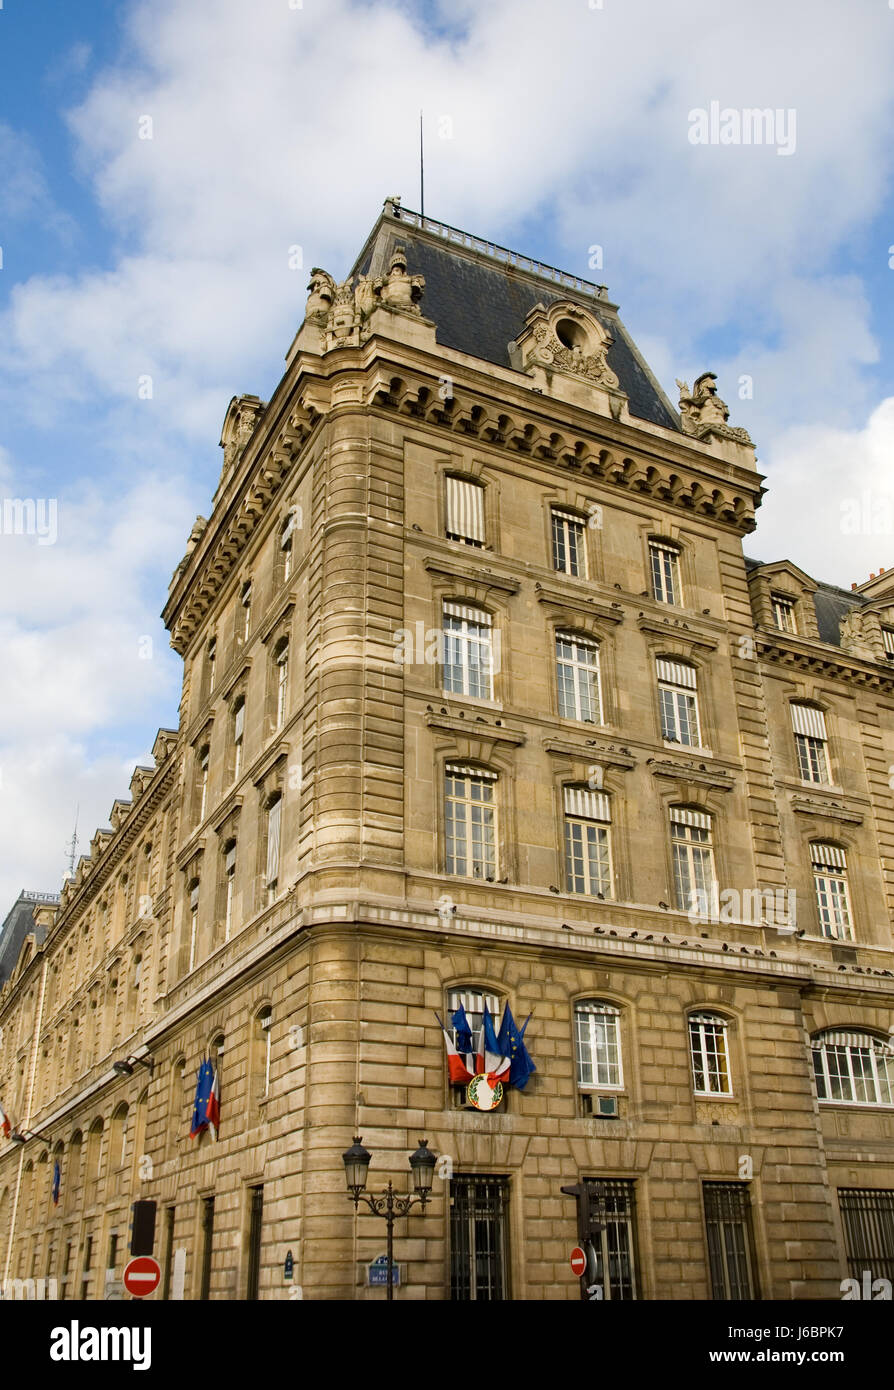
<point>550,129</point>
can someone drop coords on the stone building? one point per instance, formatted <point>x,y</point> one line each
<point>482,704</point>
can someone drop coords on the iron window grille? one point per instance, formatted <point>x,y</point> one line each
<point>730,1240</point>
<point>479,1238</point>
<point>615,1245</point>
<point>867,1215</point>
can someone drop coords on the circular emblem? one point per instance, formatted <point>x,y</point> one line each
<point>484,1094</point>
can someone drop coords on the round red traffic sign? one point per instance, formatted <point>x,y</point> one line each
<point>578,1260</point>
<point>142,1276</point>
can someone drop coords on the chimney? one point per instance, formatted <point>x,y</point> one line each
<point>853,586</point>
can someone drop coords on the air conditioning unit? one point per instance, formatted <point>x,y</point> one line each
<point>607,1107</point>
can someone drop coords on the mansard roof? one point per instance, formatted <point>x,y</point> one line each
<point>478,295</point>
<point>19,925</point>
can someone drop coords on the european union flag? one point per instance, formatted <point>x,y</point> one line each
<point>57,1179</point>
<point>510,1043</point>
<point>463,1031</point>
<point>204,1084</point>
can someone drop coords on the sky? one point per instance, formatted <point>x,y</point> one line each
<point>160,160</point>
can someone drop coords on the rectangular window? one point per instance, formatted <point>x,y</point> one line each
<point>468,651</point>
<point>245,600</point>
<point>470,822</point>
<point>207,1246</point>
<point>597,1027</point>
<point>212,663</point>
<point>809,727</point>
<point>229,890</point>
<point>616,1244</point>
<point>832,899</point>
<point>465,512</point>
<point>193,922</point>
<point>238,737</point>
<point>784,613</point>
<point>569,550</point>
<point>693,860</point>
<point>888,640</point>
<point>665,564</point>
<point>479,1239</point>
<point>867,1215</point>
<point>282,681</point>
<point>274,820</point>
<point>678,703</point>
<point>285,547</point>
<point>577,674</point>
<point>255,1226</point>
<point>728,1226</point>
<point>588,865</point>
<point>204,759</point>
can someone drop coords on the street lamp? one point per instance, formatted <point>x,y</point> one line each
<point>126,1068</point>
<point>22,1137</point>
<point>422,1165</point>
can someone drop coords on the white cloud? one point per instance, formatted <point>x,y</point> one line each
<point>274,126</point>
<point>838,483</point>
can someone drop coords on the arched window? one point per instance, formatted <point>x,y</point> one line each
<point>118,1137</point>
<point>588,853</point>
<point>470,820</point>
<point>577,676</point>
<point>94,1152</point>
<point>853,1068</point>
<point>261,1052</point>
<point>832,896</point>
<point>709,1049</point>
<point>73,1172</point>
<point>597,1036</point>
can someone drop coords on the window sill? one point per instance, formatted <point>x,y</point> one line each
<point>723,1096</point>
<point>694,750</point>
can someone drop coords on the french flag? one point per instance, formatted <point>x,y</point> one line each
<point>456,1066</point>
<point>489,1058</point>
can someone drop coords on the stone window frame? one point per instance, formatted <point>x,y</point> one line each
<point>677,650</point>
<point>471,471</point>
<point>459,750</point>
<point>587,507</point>
<point>454,1095</point>
<point>270,785</point>
<point>800,696</point>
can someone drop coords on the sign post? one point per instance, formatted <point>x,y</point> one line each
<point>589,1225</point>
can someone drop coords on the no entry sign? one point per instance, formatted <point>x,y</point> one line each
<point>142,1276</point>
<point>578,1261</point>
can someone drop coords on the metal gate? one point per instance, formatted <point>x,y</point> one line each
<point>479,1238</point>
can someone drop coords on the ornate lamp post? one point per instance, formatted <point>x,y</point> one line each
<point>422,1164</point>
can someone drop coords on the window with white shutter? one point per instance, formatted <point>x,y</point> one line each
<point>465,511</point>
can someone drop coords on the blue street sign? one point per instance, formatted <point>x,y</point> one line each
<point>377,1273</point>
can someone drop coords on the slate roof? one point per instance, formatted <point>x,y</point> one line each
<point>19,924</point>
<point>479,303</point>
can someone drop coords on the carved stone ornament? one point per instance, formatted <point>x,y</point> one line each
<point>702,412</point>
<point>398,289</point>
<point>321,292</point>
<point>242,416</point>
<point>567,339</point>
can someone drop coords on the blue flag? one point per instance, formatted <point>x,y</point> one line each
<point>511,1044</point>
<point>57,1179</point>
<point>204,1083</point>
<point>462,1031</point>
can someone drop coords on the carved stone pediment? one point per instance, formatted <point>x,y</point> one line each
<point>566,338</point>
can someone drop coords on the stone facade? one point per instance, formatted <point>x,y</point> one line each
<point>276,893</point>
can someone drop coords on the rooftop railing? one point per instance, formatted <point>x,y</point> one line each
<point>499,253</point>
